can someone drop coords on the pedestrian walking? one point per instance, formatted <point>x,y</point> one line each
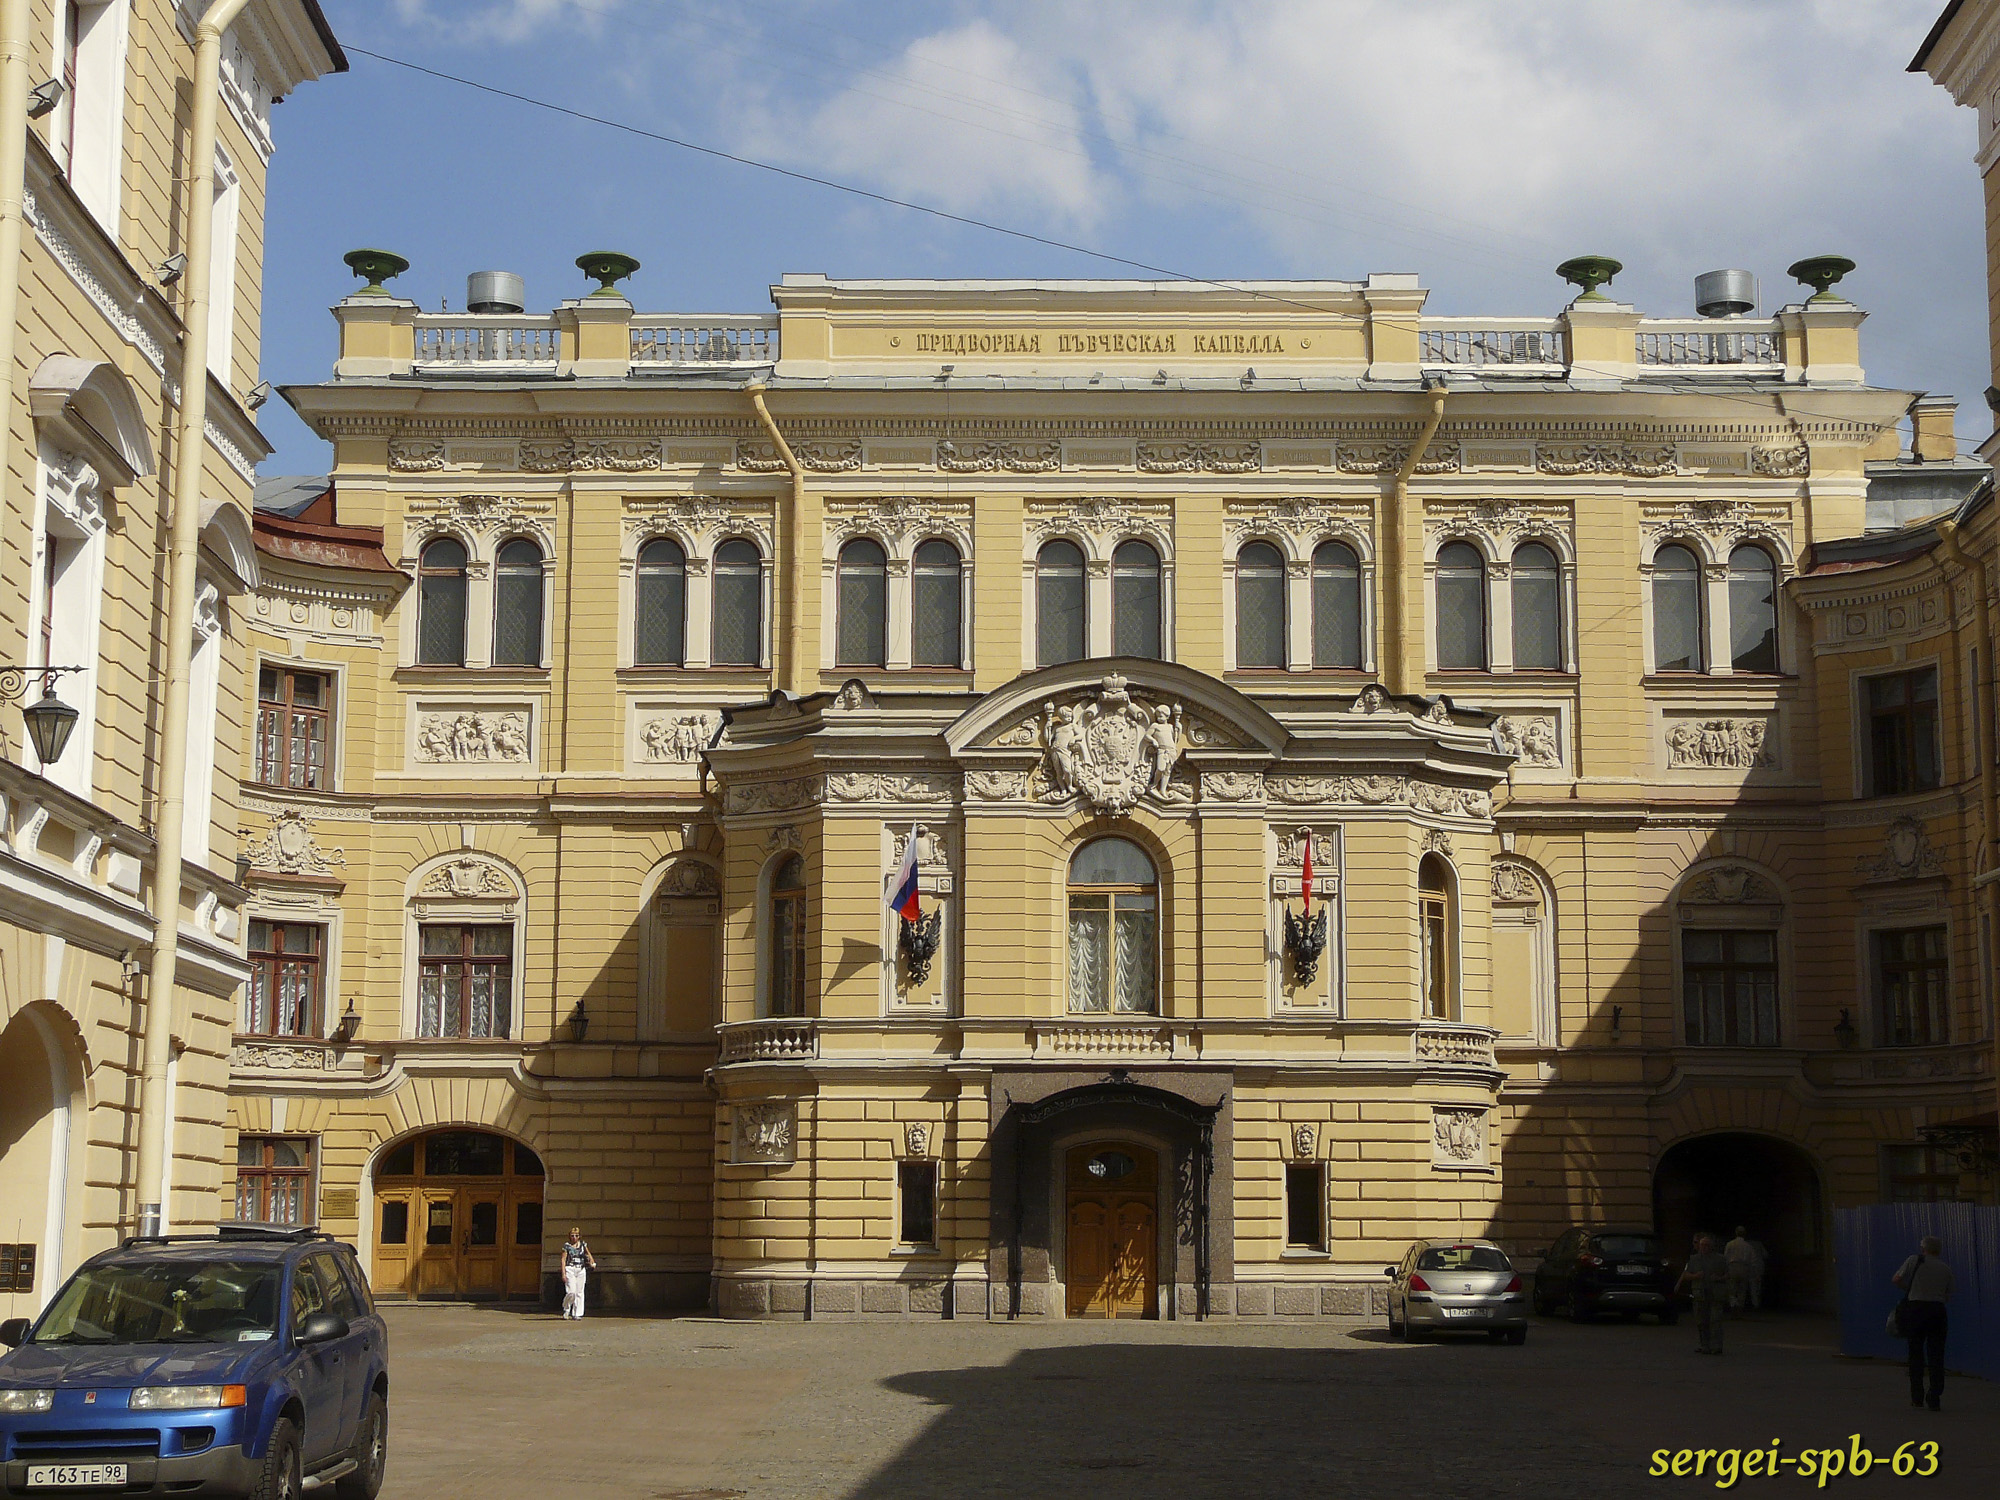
<point>1707,1277</point>
<point>577,1262</point>
<point>1742,1261</point>
<point>1926,1283</point>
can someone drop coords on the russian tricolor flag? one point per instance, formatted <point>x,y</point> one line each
<point>903,888</point>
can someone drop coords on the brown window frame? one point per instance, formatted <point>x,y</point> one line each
<point>268,966</point>
<point>1740,978</point>
<point>786,991</point>
<point>1313,1174</point>
<point>279,724</point>
<point>1899,774</point>
<point>468,963</point>
<point>1437,943</point>
<point>1912,971</point>
<point>261,1175</point>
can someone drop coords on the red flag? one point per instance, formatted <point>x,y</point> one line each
<point>1306,876</point>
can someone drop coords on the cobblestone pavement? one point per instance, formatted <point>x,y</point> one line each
<point>498,1404</point>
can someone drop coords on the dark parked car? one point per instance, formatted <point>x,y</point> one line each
<point>249,1362</point>
<point>1594,1268</point>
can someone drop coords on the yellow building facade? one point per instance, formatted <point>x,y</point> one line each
<point>1370,775</point>
<point>85,490</point>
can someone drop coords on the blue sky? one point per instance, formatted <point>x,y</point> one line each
<point>1475,142</point>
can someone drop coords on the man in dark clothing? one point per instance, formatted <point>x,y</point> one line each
<point>1926,1283</point>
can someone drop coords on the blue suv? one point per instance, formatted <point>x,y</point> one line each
<point>250,1362</point>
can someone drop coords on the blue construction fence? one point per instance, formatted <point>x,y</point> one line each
<point>1870,1245</point>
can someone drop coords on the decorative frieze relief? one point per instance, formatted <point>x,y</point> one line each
<point>1199,458</point>
<point>895,520</point>
<point>1306,521</point>
<point>1906,854</point>
<point>1722,523</point>
<point>1232,786</point>
<point>689,879</point>
<point>467,878</point>
<point>1500,523</point>
<point>1307,789</point>
<point>288,848</point>
<point>1532,739</point>
<point>278,1057</point>
<point>765,1133</point>
<point>1104,520</point>
<point>1729,885</point>
<point>774,796</point>
<point>999,785</point>
<point>1388,457</point>
<point>676,737</point>
<point>991,457</point>
<point>480,515</point>
<point>1739,744</point>
<point>1458,1136</point>
<point>1637,460</point>
<point>415,455</point>
<point>1110,748</point>
<point>473,737</point>
<point>889,786</point>
<point>837,457</point>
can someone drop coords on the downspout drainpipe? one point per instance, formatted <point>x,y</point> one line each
<point>14,28</point>
<point>788,602</point>
<point>190,450</point>
<point>1983,709</point>
<point>1396,626</point>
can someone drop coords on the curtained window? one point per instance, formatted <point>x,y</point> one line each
<point>274,1179</point>
<point>1677,611</point>
<point>935,639</point>
<point>441,604</point>
<point>1260,606</point>
<point>1912,987</point>
<point>293,710</point>
<point>1059,606</point>
<point>1135,600</point>
<point>1113,930</point>
<point>465,980</point>
<point>517,605</point>
<point>659,600</point>
<point>1729,988</point>
<point>861,610</point>
<point>1437,920</point>
<point>1536,583</point>
<point>283,996</point>
<point>1461,609</point>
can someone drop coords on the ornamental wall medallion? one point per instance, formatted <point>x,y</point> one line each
<point>1111,749</point>
<point>1304,1139</point>
<point>1720,744</point>
<point>1906,853</point>
<point>287,848</point>
<point>1729,885</point>
<point>690,878</point>
<point>988,785</point>
<point>1529,738</point>
<point>278,1057</point>
<point>1458,1136</point>
<point>407,457</point>
<point>676,737</point>
<point>466,878</point>
<point>765,1133</point>
<point>1232,786</point>
<point>916,1139</point>
<point>775,796</point>
<point>1514,882</point>
<point>467,737</point>
<point>1370,700</point>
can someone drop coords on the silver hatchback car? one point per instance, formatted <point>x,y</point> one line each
<point>1456,1286</point>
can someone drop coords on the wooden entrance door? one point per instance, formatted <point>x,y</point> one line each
<point>482,1269</point>
<point>458,1214</point>
<point>1112,1232</point>
<point>437,1244</point>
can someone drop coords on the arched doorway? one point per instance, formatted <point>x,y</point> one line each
<point>34,1163</point>
<point>458,1215</point>
<point>1713,1183</point>
<point>1112,1231</point>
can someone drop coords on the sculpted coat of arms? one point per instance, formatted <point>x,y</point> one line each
<point>1110,748</point>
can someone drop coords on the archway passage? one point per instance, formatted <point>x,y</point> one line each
<point>1714,1183</point>
<point>458,1216</point>
<point>34,1160</point>
<point>1111,1264</point>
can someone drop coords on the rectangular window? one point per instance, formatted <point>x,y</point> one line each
<point>1729,984</point>
<point>1902,736</point>
<point>1921,1174</point>
<point>274,1179</point>
<point>293,728</point>
<point>283,996</point>
<point>1435,916</point>
<point>1305,1201</point>
<point>1912,987</point>
<point>917,1183</point>
<point>465,983</point>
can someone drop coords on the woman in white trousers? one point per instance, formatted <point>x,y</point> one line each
<point>576,1259</point>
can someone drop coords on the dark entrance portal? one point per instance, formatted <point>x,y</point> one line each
<point>1716,1182</point>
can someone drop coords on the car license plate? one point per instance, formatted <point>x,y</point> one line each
<point>74,1476</point>
<point>1461,1312</point>
<point>1633,1270</point>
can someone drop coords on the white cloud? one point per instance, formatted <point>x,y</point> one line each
<point>502,22</point>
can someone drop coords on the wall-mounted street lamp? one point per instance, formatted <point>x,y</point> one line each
<point>1844,1031</point>
<point>49,719</point>
<point>348,1024</point>
<point>579,1023</point>
<point>172,269</point>
<point>44,97</point>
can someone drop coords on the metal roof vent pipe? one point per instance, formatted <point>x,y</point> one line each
<point>1725,294</point>
<point>495,292</point>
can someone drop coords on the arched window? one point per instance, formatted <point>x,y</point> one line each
<point>1114,927</point>
<point>659,625</point>
<point>787,995</point>
<point>1437,936</point>
<point>441,604</point>
<point>736,605</point>
<point>517,604</point>
<point>1461,609</point>
<point>1677,611</point>
<point>861,625</point>
<point>1753,610</point>
<point>1260,606</point>
<point>1537,599</point>
<point>1135,600</point>
<point>934,606</point>
<point>1059,608</point>
<point>1336,600</point>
